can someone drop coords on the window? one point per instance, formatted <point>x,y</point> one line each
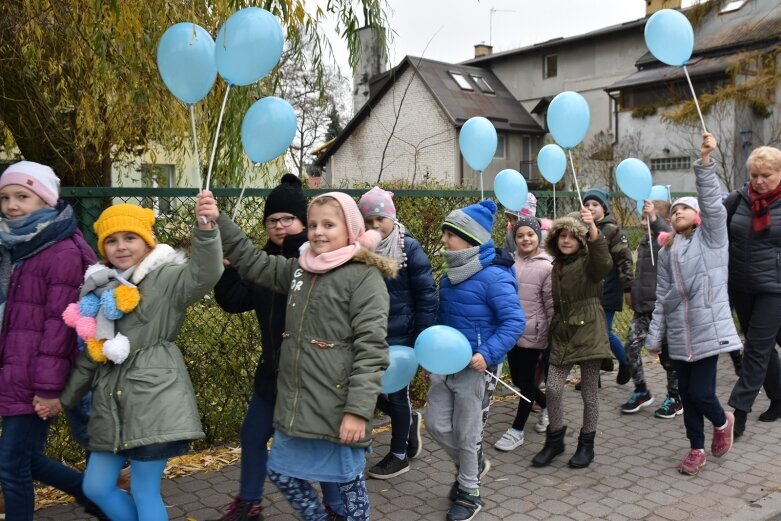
<point>460,80</point>
<point>734,5</point>
<point>500,146</point>
<point>549,66</point>
<point>158,176</point>
<point>482,84</point>
<point>670,163</point>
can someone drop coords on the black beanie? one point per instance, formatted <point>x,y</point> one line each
<point>287,197</point>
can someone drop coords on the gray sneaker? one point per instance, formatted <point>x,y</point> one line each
<point>389,467</point>
<point>542,421</point>
<point>510,440</point>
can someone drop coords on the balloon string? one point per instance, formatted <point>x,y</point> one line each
<point>195,148</point>
<point>241,195</point>
<point>694,95</point>
<point>650,240</point>
<point>480,173</point>
<point>574,176</point>
<point>554,201</point>
<point>499,380</point>
<point>216,137</point>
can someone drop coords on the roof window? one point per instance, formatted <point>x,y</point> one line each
<point>460,80</point>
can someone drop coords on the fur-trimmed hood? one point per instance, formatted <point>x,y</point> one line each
<point>388,267</point>
<point>572,225</point>
<point>160,255</point>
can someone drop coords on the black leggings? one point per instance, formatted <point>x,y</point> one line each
<point>523,367</point>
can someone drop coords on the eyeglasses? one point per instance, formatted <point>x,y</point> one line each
<point>285,221</point>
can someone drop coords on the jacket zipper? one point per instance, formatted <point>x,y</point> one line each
<point>679,283</point>
<point>298,353</point>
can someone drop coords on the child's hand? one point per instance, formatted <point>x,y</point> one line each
<point>206,210</point>
<point>588,220</point>
<point>352,430</point>
<point>649,210</point>
<point>46,408</point>
<point>708,146</point>
<point>478,363</point>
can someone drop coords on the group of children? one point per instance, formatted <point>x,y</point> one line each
<point>337,283</point>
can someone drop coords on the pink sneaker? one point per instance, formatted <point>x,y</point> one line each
<point>693,462</point>
<point>722,438</point>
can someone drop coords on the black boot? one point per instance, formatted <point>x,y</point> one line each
<point>585,451</point>
<point>554,445</point>
<point>772,413</point>
<point>740,423</point>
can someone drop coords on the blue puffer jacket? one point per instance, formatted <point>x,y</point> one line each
<point>413,297</point>
<point>485,308</point>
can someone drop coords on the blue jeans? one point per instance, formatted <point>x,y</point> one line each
<point>697,385</point>
<point>256,431</point>
<point>398,408</point>
<point>22,461</point>
<point>615,343</point>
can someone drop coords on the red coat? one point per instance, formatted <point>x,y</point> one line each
<point>36,347</point>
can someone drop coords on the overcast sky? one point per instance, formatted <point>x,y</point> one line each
<point>453,27</point>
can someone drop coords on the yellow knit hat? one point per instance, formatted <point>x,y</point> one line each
<point>125,218</point>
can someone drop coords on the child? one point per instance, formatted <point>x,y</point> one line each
<point>643,301</point>
<point>692,308</point>
<point>333,351</point>
<point>42,258</point>
<point>413,308</point>
<point>477,296</point>
<point>530,208</point>
<point>533,273</point>
<point>130,310</point>
<point>618,282</point>
<point>578,331</point>
<point>284,216</point>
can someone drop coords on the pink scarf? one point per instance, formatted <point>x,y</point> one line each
<point>325,262</point>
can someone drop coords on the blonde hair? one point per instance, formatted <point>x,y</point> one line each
<point>764,156</point>
<point>662,208</point>
<point>324,200</point>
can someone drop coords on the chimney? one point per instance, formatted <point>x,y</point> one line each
<point>483,49</point>
<point>651,6</point>
<point>371,62</point>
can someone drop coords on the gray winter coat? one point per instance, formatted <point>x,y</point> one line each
<point>644,285</point>
<point>692,307</point>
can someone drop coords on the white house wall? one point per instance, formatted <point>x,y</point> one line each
<point>421,122</point>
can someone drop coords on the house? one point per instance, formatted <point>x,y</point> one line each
<point>745,32</point>
<point>407,130</point>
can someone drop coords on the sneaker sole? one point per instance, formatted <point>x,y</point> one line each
<point>687,473</point>
<point>538,427</point>
<point>420,440</point>
<point>641,406</point>
<point>507,449</point>
<point>387,476</point>
<point>657,414</point>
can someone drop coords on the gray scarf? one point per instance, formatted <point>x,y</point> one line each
<point>392,246</point>
<point>462,264</point>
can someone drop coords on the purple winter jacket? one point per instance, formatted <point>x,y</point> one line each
<point>36,347</point>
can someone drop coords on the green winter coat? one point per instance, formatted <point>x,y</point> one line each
<point>579,328</point>
<point>149,398</point>
<point>334,352</point>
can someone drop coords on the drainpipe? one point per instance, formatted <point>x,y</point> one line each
<point>614,97</point>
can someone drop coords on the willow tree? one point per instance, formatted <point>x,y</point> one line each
<point>79,87</point>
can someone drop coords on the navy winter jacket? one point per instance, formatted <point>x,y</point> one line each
<point>413,297</point>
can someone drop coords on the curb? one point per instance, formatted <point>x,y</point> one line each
<point>767,508</point>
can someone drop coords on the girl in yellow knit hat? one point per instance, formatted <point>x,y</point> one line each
<point>130,311</point>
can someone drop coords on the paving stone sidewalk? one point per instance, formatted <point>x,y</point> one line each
<point>633,476</point>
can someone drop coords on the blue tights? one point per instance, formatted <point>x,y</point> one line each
<point>144,501</point>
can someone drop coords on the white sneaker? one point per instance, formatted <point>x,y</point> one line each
<point>542,421</point>
<point>509,440</point>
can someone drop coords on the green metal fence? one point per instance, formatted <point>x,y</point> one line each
<point>221,350</point>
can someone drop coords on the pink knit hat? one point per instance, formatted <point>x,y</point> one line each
<point>377,202</point>
<point>356,230</point>
<point>38,178</point>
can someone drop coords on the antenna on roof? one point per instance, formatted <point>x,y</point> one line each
<point>491,22</point>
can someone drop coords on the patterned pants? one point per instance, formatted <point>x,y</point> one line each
<point>638,331</point>
<point>589,379</point>
<point>303,497</point>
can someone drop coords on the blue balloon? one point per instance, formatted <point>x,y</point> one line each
<point>268,129</point>
<point>634,178</point>
<point>249,45</point>
<point>639,206</point>
<point>511,189</point>
<point>185,59</point>
<point>442,350</point>
<point>670,37</point>
<point>660,193</point>
<point>477,141</point>
<point>552,162</point>
<point>402,369</point>
<point>568,119</point>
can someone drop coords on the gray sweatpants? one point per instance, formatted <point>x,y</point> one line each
<point>455,416</point>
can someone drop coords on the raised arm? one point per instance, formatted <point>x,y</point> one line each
<point>712,211</point>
